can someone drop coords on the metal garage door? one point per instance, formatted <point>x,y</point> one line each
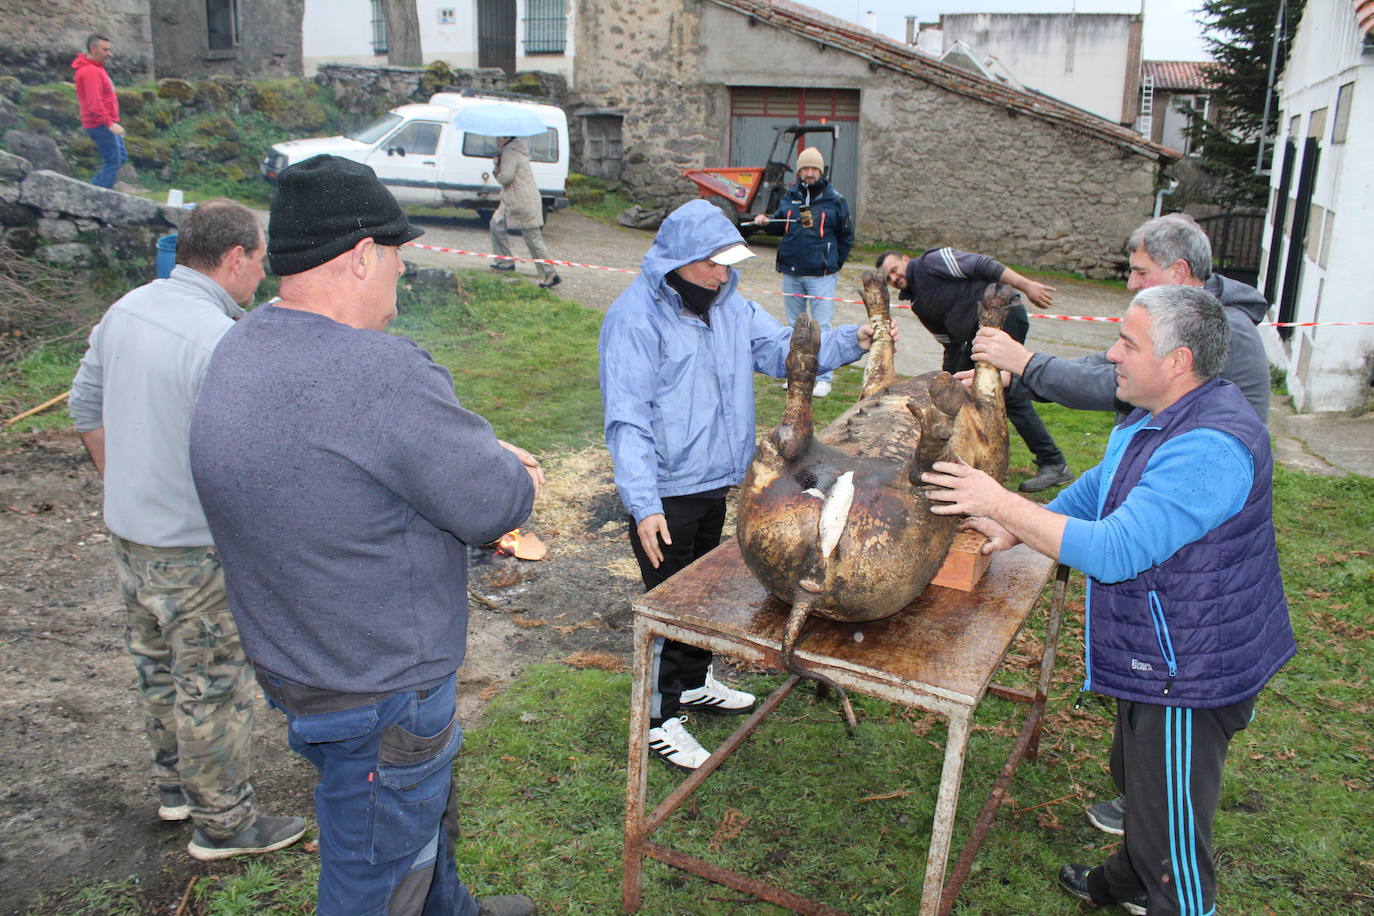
<point>755,112</point>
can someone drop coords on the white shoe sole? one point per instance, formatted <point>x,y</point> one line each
<point>179,813</point>
<point>210,854</point>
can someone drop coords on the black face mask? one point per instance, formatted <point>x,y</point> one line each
<point>698,299</point>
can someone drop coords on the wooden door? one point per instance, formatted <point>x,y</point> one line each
<point>496,34</point>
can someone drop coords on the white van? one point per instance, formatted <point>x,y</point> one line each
<point>425,161</point>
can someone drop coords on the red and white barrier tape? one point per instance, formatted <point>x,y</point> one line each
<point>773,292</point>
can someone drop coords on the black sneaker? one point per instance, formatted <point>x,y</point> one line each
<point>502,265</point>
<point>171,804</point>
<point>264,835</point>
<point>1046,476</point>
<point>1109,816</point>
<point>551,282</point>
<point>506,905</point>
<point>1074,879</point>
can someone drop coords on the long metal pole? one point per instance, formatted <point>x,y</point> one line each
<point>1269,90</point>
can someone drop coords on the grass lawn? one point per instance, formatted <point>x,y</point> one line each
<point>846,819</point>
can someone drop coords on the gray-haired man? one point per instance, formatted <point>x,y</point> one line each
<point>1169,250</point>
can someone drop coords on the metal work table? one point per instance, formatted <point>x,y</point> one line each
<point>939,654</point>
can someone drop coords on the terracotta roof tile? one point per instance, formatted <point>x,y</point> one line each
<point>1364,15</point>
<point>1178,74</point>
<point>881,51</point>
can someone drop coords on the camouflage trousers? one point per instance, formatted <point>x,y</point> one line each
<point>197,686</point>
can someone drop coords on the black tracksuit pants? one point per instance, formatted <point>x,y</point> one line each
<point>1167,762</point>
<point>694,524</point>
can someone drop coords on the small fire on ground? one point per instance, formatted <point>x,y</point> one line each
<point>521,544</point>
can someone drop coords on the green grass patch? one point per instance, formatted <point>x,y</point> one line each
<point>520,356</point>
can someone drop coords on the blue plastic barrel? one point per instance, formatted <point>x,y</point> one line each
<point>166,255</point>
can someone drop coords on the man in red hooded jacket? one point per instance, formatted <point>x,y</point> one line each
<point>95,94</point>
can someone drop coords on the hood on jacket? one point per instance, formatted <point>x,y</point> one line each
<point>81,60</point>
<point>693,232</point>
<point>1237,295</point>
<point>517,145</point>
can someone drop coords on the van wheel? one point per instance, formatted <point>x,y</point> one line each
<point>484,216</point>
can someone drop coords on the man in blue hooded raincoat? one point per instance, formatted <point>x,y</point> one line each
<point>678,352</point>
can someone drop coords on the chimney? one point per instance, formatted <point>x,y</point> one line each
<point>911,30</point>
<point>871,21</point>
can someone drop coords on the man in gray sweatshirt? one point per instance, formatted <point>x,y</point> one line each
<point>343,482</point>
<point>131,402</point>
<point>1168,250</point>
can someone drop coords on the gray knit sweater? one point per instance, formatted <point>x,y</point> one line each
<point>342,480</point>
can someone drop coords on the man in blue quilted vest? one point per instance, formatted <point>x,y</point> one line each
<point>1186,618</point>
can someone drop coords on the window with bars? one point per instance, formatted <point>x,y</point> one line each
<point>546,27</point>
<point>378,27</point>
<point>222,24</point>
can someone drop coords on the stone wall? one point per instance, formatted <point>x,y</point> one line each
<point>39,40</point>
<point>1020,189</point>
<point>936,167</point>
<point>74,224</point>
<point>642,59</point>
<point>269,45</point>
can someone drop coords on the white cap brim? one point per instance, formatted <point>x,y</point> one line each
<point>732,255</point>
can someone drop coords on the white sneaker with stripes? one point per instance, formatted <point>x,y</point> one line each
<point>713,696</point>
<point>674,744</point>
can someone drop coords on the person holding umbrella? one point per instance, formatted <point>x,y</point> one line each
<point>521,208</point>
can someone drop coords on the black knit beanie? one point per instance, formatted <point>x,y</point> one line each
<point>326,205</point>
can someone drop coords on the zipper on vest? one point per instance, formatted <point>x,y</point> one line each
<point>1166,645</point>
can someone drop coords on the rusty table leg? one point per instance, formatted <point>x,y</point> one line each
<point>946,802</point>
<point>636,786</point>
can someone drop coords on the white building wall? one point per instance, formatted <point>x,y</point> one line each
<point>340,31</point>
<point>1079,58</point>
<point>1328,368</point>
<point>337,32</point>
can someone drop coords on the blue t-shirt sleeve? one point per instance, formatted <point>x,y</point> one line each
<point>1079,499</point>
<point>1191,484</point>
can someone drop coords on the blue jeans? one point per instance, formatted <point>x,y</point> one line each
<point>801,290</point>
<point>112,154</point>
<point>384,803</point>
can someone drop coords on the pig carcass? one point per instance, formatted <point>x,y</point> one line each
<point>837,522</point>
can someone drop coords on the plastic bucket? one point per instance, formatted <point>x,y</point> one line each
<point>166,255</point>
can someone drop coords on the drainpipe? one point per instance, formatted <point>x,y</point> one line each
<point>1159,195</point>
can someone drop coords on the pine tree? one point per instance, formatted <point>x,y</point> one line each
<point>1240,37</point>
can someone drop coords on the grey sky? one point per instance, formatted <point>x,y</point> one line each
<point>1171,29</point>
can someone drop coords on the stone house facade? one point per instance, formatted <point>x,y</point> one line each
<point>244,39</point>
<point>943,156</point>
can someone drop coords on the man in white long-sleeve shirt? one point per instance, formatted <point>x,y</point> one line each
<point>131,403</point>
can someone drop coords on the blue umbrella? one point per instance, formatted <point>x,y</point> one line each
<point>499,120</point>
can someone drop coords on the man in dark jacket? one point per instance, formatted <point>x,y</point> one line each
<point>1167,250</point>
<point>944,287</point>
<point>817,233</point>
<point>1186,619</point>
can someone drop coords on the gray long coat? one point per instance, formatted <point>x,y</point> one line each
<point>521,204</point>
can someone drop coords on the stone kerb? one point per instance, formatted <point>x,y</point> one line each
<point>49,191</point>
<point>65,221</point>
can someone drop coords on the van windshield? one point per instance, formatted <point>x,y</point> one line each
<point>376,130</point>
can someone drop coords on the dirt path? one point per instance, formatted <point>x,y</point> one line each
<point>77,802</point>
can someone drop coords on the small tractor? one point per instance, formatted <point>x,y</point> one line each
<point>751,191</point>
